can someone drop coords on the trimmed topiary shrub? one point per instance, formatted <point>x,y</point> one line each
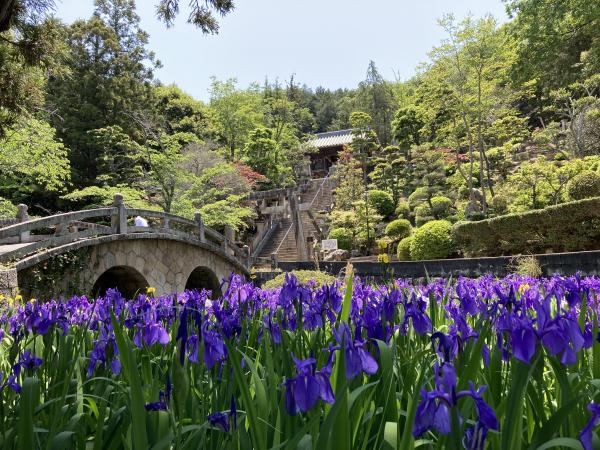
<point>398,229</point>
<point>402,210</point>
<point>382,202</point>
<point>423,214</point>
<point>303,276</point>
<point>418,196</point>
<point>343,236</point>
<point>584,185</point>
<point>403,250</point>
<point>568,227</point>
<point>432,241</point>
<point>441,206</point>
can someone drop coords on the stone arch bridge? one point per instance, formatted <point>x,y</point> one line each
<point>92,250</point>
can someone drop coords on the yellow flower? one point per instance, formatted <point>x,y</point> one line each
<point>384,258</point>
<point>18,298</point>
<point>523,288</point>
<point>151,290</point>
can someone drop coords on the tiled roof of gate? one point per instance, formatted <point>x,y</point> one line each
<point>332,138</point>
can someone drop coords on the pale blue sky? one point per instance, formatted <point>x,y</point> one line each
<point>323,42</point>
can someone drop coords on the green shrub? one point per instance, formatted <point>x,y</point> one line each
<point>499,204</point>
<point>398,229</point>
<point>303,276</point>
<point>403,210</point>
<point>526,265</point>
<point>584,185</point>
<point>572,226</point>
<point>403,250</point>
<point>432,241</point>
<point>417,197</point>
<point>441,206</point>
<point>382,202</point>
<point>423,214</point>
<point>343,236</point>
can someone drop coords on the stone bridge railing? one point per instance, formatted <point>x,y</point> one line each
<point>23,236</point>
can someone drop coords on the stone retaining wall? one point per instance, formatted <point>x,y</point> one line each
<point>587,263</point>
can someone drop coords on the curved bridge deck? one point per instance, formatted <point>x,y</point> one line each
<point>27,244</point>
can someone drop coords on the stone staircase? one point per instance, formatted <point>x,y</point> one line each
<point>319,197</point>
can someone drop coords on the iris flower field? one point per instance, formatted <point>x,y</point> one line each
<point>509,363</point>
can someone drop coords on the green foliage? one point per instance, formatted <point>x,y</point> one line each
<point>584,185</point>
<point>303,276</point>
<point>238,113</point>
<point>96,197</point>
<point>441,207</point>
<point>423,214</point>
<point>571,226</point>
<point>390,172</point>
<point>343,236</point>
<point>382,202</point>
<point>376,97</point>
<point>263,154</point>
<point>32,161</point>
<point>350,187</point>
<point>403,210</point>
<point>526,265</point>
<point>7,209</point>
<point>432,241</point>
<point>403,250</point>
<point>418,197</point>
<point>398,229</point>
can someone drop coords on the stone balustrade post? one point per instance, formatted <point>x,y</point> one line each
<point>23,216</point>
<point>229,240</point>
<point>273,261</point>
<point>164,223</point>
<point>200,224</point>
<point>119,220</point>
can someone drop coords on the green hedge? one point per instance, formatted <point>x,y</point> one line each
<point>572,226</point>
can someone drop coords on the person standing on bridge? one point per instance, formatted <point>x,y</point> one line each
<point>140,221</point>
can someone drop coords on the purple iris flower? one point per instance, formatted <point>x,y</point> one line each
<point>523,340</point>
<point>433,413</point>
<point>585,436</point>
<point>29,361</point>
<point>563,336</point>
<point>164,399</point>
<point>357,358</point>
<point>150,334</point>
<point>307,387</point>
<point>214,347</point>
<point>447,345</point>
<point>182,333</point>
<point>415,310</point>
<point>225,420</point>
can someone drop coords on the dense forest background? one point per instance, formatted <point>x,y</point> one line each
<point>498,119</point>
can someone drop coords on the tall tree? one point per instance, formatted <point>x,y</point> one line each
<point>109,84</point>
<point>376,97</point>
<point>238,113</point>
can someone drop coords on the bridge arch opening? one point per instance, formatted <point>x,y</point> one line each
<point>204,278</point>
<point>128,281</point>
